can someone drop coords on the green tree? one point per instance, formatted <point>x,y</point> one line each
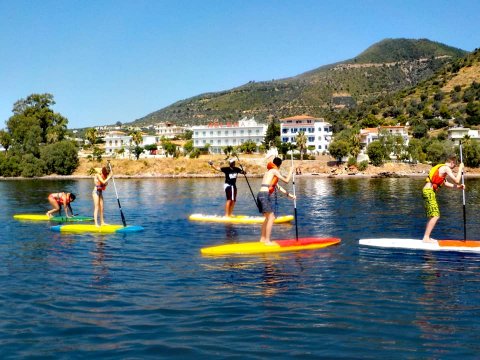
<point>376,153</point>
<point>137,138</point>
<point>188,146</point>
<point>272,136</point>
<point>53,126</point>
<point>248,147</point>
<point>60,158</point>
<point>471,153</point>
<point>91,135</point>
<point>32,166</point>
<point>438,151</point>
<point>301,141</point>
<point>5,139</point>
<point>339,149</point>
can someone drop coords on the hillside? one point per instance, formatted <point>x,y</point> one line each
<point>384,68</point>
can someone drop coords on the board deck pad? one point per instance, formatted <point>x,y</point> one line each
<point>417,244</point>
<point>279,246</point>
<point>43,217</point>
<point>91,228</point>
<point>239,219</point>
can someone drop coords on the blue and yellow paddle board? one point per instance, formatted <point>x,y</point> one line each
<point>90,228</point>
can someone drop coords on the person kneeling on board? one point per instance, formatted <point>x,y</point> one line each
<point>101,180</point>
<point>436,178</point>
<point>264,196</point>
<point>231,172</point>
<point>59,199</point>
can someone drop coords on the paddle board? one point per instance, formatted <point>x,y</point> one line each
<point>43,217</point>
<point>238,219</point>
<point>278,246</point>
<point>416,244</point>
<point>90,228</point>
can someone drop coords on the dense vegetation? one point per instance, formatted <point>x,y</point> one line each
<point>383,69</point>
<point>35,140</point>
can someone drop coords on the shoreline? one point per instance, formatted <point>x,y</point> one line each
<point>186,168</point>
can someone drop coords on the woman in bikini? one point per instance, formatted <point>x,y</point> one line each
<point>101,180</point>
<point>59,199</point>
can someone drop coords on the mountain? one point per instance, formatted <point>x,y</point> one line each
<point>384,68</point>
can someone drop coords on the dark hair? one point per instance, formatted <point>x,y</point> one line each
<point>72,197</point>
<point>277,161</point>
<point>452,158</point>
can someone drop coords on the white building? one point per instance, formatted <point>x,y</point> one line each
<point>229,134</point>
<point>115,141</point>
<point>169,130</point>
<point>318,132</point>
<point>458,133</point>
<point>369,135</point>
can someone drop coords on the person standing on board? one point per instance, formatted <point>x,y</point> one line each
<point>436,178</point>
<point>101,180</point>
<point>231,172</point>
<point>264,200</point>
<point>59,199</point>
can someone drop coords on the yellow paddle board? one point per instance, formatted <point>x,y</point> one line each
<point>238,219</point>
<point>90,228</point>
<point>277,246</point>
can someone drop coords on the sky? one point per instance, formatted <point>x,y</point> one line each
<point>109,61</point>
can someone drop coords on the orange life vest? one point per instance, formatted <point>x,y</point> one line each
<point>435,178</point>
<point>99,185</point>
<point>273,184</point>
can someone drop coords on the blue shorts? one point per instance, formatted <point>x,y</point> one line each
<point>264,202</point>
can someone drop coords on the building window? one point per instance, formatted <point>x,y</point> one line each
<point>284,131</point>
<point>285,139</point>
<point>311,139</point>
<point>320,147</point>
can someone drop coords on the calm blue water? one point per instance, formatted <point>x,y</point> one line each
<point>152,295</point>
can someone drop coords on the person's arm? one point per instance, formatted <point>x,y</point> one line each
<point>284,191</point>
<point>66,204</point>
<point>455,178</point>
<point>285,179</point>
<point>213,166</point>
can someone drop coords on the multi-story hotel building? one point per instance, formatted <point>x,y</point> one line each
<point>318,132</point>
<point>229,134</point>
<point>117,140</point>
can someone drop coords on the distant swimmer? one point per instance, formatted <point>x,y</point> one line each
<point>231,172</point>
<point>264,196</point>
<point>59,199</point>
<point>101,180</point>
<point>436,178</point>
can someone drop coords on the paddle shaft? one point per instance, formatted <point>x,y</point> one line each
<point>241,167</point>
<point>294,200</point>
<point>124,222</point>
<point>463,195</point>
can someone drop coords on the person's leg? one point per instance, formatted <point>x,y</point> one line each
<point>55,206</point>
<point>270,217</point>
<point>95,207</point>
<point>228,206</point>
<point>100,208</point>
<point>429,228</point>
<point>433,213</point>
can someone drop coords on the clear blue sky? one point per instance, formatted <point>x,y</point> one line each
<point>118,60</point>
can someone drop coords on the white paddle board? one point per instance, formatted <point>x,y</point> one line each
<point>416,244</point>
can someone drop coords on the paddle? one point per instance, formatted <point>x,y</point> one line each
<point>116,194</point>
<point>463,195</point>
<point>244,174</point>
<point>294,199</point>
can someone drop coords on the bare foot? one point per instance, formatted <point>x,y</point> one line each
<point>430,241</point>
<point>268,243</point>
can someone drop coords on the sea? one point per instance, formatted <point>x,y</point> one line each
<point>153,295</point>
